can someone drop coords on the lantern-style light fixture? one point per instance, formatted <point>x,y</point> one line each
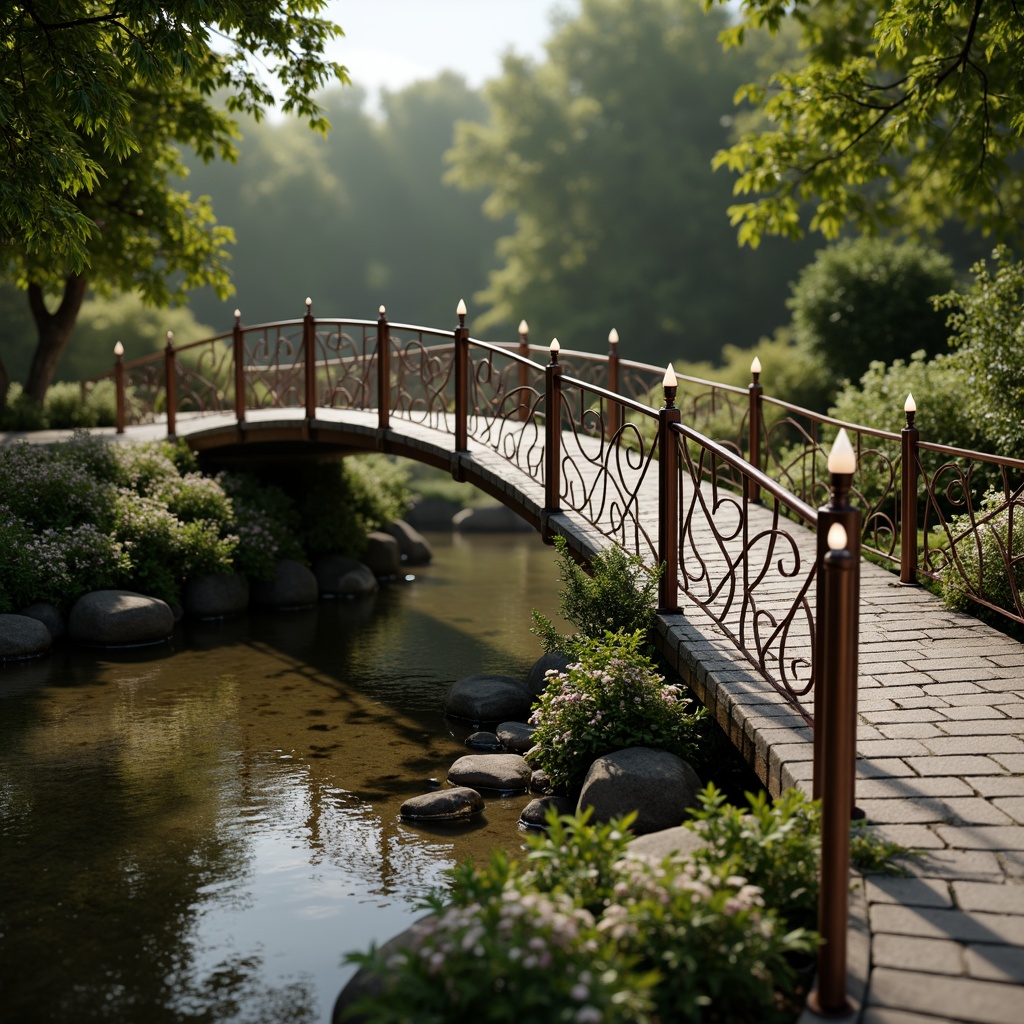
<point>118,350</point>
<point>837,539</point>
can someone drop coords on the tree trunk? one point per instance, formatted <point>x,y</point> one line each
<point>54,330</point>
<point>5,383</point>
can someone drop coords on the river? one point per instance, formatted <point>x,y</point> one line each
<point>199,831</point>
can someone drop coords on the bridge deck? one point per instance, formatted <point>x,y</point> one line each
<point>940,744</point>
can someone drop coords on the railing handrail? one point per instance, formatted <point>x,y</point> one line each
<point>504,349</point>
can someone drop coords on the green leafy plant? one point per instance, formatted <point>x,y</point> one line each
<point>774,844</point>
<point>871,853</point>
<point>608,699</point>
<point>617,597</point>
<point>579,931</point>
<point>986,561</point>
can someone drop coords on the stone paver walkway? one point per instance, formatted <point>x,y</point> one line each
<point>940,769</point>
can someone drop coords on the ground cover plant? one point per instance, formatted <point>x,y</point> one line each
<point>86,515</point>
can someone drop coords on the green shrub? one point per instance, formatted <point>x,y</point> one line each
<point>163,552</point>
<point>981,561</point>
<point>870,298</point>
<point>938,389</point>
<point>339,501</point>
<point>48,490</point>
<point>774,844</point>
<point>618,597</point>
<point>579,932</point>
<point>608,699</point>
<point>264,521</point>
<point>55,565</point>
<point>986,328</point>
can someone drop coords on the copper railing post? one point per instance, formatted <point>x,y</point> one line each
<point>836,710</point>
<point>309,359</point>
<point>838,510</point>
<point>613,382</point>
<point>462,382</point>
<point>524,370</point>
<point>119,387</point>
<point>668,500</point>
<point>552,436</point>
<point>170,384</point>
<point>383,370</point>
<point>754,392</point>
<point>238,353</point>
<point>909,436</point>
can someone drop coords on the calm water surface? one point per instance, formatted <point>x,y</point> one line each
<point>199,832</point>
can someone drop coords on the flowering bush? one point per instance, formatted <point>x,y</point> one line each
<point>536,939</point>
<point>56,565</point>
<point>608,699</point>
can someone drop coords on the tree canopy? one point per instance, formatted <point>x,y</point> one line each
<point>95,99</point>
<point>901,113</point>
<point>602,156</point>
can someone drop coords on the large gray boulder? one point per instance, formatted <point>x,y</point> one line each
<point>22,636</point>
<point>412,544</point>
<point>432,514</point>
<point>489,519</point>
<point>119,618</point>
<point>49,615</point>
<point>488,698</point>
<point>367,983</point>
<point>340,576</point>
<point>656,846</point>
<point>293,586</point>
<point>537,679</point>
<point>456,804</point>
<point>215,595</point>
<point>383,555</point>
<point>506,773</point>
<point>661,787</point>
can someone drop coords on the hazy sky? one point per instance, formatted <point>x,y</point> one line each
<point>390,43</point>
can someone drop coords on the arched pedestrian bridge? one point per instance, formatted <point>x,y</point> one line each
<point>720,484</point>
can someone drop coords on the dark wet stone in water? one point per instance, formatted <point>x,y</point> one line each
<point>516,737</point>
<point>535,813</point>
<point>485,742</point>
<point>506,773</point>
<point>537,680</point>
<point>443,805</point>
<point>433,783</point>
<point>22,636</point>
<point>540,782</point>
<point>488,698</point>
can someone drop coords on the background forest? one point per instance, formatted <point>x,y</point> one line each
<point>577,193</point>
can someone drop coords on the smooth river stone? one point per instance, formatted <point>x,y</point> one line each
<point>515,737</point>
<point>535,813</point>
<point>22,636</point>
<point>484,742</point>
<point>507,773</point>
<point>443,805</point>
<point>488,698</point>
<point>413,545</point>
<point>293,586</point>
<point>661,787</point>
<point>537,679</point>
<point>115,618</point>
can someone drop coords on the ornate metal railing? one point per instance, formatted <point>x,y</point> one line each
<point>930,512</point>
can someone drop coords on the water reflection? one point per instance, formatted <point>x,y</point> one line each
<point>198,832</point>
